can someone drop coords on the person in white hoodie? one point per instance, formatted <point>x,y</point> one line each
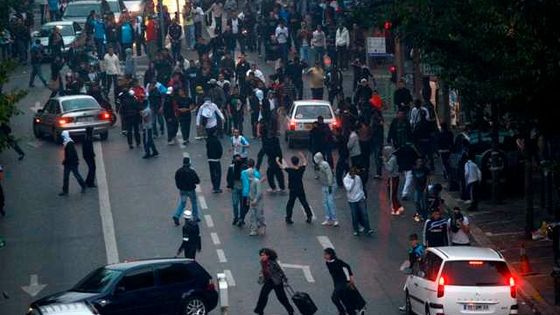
<point>342,42</point>
<point>112,67</point>
<point>206,116</point>
<point>70,162</point>
<point>473,176</point>
<point>357,202</point>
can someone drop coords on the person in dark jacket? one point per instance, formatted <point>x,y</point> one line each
<point>70,162</point>
<point>186,180</point>
<point>6,131</point>
<point>234,184</point>
<point>130,114</point>
<point>89,156</point>
<point>435,230</point>
<point>271,277</point>
<point>402,98</point>
<point>191,237</point>
<point>175,32</point>
<point>444,143</point>
<point>273,152</point>
<point>214,152</point>
<point>342,277</point>
<point>400,131</point>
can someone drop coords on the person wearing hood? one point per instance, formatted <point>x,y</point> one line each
<point>89,156</point>
<point>357,201</point>
<point>70,162</point>
<point>234,184</point>
<point>206,116</point>
<point>129,64</point>
<point>326,179</point>
<point>245,189</point>
<point>256,102</point>
<point>186,180</point>
<point>256,219</point>
<point>191,242</point>
<point>147,132</point>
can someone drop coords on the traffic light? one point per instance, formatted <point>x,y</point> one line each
<point>393,71</point>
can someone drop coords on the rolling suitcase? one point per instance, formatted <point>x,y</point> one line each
<point>303,302</point>
<point>353,300</point>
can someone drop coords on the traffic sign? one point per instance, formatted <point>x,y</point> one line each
<point>376,46</point>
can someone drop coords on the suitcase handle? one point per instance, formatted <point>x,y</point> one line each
<point>289,289</point>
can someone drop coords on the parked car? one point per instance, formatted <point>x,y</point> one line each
<point>78,11</point>
<point>72,113</point>
<point>69,30</point>
<point>143,287</point>
<point>461,280</point>
<point>302,115</point>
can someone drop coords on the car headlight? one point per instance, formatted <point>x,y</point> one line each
<point>32,311</point>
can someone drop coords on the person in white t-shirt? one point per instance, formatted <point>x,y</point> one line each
<point>459,228</point>
<point>282,36</point>
<point>473,177</point>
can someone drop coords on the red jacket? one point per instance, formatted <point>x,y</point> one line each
<point>151,31</point>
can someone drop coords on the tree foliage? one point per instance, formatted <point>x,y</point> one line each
<point>8,100</point>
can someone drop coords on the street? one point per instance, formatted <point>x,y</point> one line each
<point>52,241</point>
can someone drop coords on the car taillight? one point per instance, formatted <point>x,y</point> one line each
<point>104,116</point>
<point>334,124</point>
<point>292,125</point>
<point>211,286</point>
<point>441,287</point>
<point>65,120</point>
<point>512,288</point>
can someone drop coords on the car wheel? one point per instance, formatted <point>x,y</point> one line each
<point>194,306</point>
<point>104,135</point>
<point>56,137</point>
<point>36,132</point>
<point>408,305</point>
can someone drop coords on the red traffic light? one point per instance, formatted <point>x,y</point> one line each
<point>392,69</point>
<point>387,25</point>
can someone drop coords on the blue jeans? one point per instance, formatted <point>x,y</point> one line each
<point>149,146</point>
<point>359,215</point>
<point>328,203</point>
<point>236,197</point>
<point>421,207</point>
<point>189,36</point>
<point>183,195</point>
<point>304,54</point>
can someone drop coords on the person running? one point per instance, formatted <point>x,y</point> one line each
<point>326,179</point>
<point>191,237</point>
<point>357,201</point>
<point>186,180</point>
<point>295,185</point>
<point>271,277</point>
<point>70,162</point>
<point>234,184</point>
<point>89,156</point>
<point>342,277</point>
<point>257,225</point>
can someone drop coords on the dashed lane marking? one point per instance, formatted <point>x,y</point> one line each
<point>221,255</point>
<point>304,268</point>
<point>215,238</point>
<point>325,242</point>
<point>229,278</point>
<point>186,154</point>
<point>202,202</point>
<point>209,221</point>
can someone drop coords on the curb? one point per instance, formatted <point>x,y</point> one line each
<point>527,292</point>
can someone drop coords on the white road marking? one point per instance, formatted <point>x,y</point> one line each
<point>221,255</point>
<point>198,189</point>
<point>107,222</point>
<point>325,242</point>
<point>229,278</point>
<point>209,221</point>
<point>34,287</point>
<point>306,271</point>
<point>186,154</point>
<point>312,212</point>
<point>202,202</point>
<point>215,238</point>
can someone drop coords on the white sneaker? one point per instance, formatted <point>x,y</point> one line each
<point>253,233</point>
<point>270,190</point>
<point>468,202</point>
<point>417,218</point>
<point>393,212</point>
<point>401,210</point>
<point>326,222</point>
<point>172,142</point>
<point>335,224</point>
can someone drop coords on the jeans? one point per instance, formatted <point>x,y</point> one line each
<point>185,124</point>
<point>36,71</point>
<point>328,203</point>
<point>215,174</point>
<point>304,54</point>
<point>359,215</point>
<point>132,125</point>
<point>342,57</point>
<point>236,199</point>
<point>74,170</point>
<point>472,190</point>
<point>183,195</point>
<point>176,49</point>
<point>54,15</point>
<point>100,45</point>
<point>157,119</point>
<point>189,36</point>
<point>90,179</point>
<point>172,128</point>
<point>407,184</point>
<point>420,199</point>
<point>256,218</point>
<point>149,143</point>
<point>297,194</point>
<point>318,53</point>
<point>267,287</point>
<point>111,80</point>
<point>393,189</point>
<point>283,49</point>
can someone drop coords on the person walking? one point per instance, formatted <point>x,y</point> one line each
<point>191,242</point>
<point>357,202</point>
<point>112,68</point>
<point>186,180</point>
<point>393,177</point>
<point>214,152</point>
<point>36,60</point>
<point>256,212</point>
<point>11,141</point>
<point>342,46</point>
<point>206,116</point>
<point>147,132</point>
<point>420,176</point>
<point>473,176</point>
<point>70,162</point>
<point>234,184</point>
<point>89,156</point>
<point>271,277</point>
<point>130,114</point>
<point>326,179</point>
<point>295,185</point>
<point>459,228</point>
<point>316,81</point>
<point>184,106</point>
<point>245,187</point>
<point>342,277</point>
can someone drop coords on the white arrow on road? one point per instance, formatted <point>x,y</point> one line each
<point>36,107</point>
<point>304,268</point>
<point>34,287</point>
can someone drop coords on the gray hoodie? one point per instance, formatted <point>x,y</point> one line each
<point>326,177</point>
<point>129,64</point>
<point>255,190</point>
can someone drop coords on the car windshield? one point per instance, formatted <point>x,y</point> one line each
<point>79,104</point>
<point>313,111</point>
<point>476,273</point>
<point>97,281</point>
<point>81,9</point>
<point>65,30</point>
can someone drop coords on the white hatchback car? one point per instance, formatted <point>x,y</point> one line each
<point>461,280</point>
<point>302,115</point>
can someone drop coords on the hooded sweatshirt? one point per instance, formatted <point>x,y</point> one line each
<point>255,189</point>
<point>129,64</point>
<point>245,181</point>
<point>70,154</point>
<point>325,172</point>
<point>209,110</point>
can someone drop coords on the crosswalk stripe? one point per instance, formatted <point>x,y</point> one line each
<point>325,242</point>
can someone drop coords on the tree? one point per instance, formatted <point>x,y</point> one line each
<point>8,100</point>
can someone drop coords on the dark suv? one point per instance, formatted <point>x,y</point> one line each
<point>150,287</point>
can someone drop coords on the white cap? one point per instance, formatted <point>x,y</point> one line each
<point>187,214</point>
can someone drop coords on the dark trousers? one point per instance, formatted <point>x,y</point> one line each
<point>393,190</point>
<point>472,190</point>
<point>149,146</point>
<point>317,93</point>
<point>244,208</point>
<point>336,298</point>
<point>74,170</point>
<point>185,124</point>
<point>14,145</point>
<point>444,155</point>
<point>254,121</point>
<point>272,172</point>
<point>342,57</point>
<point>132,126</point>
<point>2,203</point>
<point>267,287</point>
<point>124,47</point>
<point>342,168</point>
<point>36,71</point>
<point>90,179</point>
<point>172,128</point>
<point>237,119</point>
<point>377,150</point>
<point>111,79</point>
<point>297,194</point>
<point>215,174</point>
<point>299,89</point>
<point>139,41</point>
<point>176,49</point>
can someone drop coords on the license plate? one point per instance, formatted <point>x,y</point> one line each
<point>308,126</point>
<point>475,307</point>
<point>85,119</point>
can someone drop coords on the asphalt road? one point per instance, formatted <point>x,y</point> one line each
<point>54,241</point>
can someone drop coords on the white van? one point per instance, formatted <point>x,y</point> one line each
<point>461,280</point>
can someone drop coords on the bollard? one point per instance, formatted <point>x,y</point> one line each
<point>223,291</point>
